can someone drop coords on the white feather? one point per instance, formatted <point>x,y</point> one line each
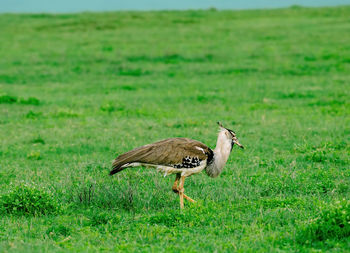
<point>199,148</point>
<point>221,153</point>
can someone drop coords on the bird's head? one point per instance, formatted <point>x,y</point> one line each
<point>230,135</point>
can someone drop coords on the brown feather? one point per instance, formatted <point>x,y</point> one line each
<point>168,152</point>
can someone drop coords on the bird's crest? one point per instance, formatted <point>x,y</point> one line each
<point>231,131</point>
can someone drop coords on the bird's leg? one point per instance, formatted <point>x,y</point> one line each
<point>181,191</point>
<point>175,188</point>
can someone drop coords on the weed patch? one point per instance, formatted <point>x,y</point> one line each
<point>272,203</point>
<point>132,72</point>
<point>332,222</point>
<point>7,99</point>
<point>34,155</point>
<point>170,58</point>
<point>108,107</point>
<point>230,71</point>
<point>194,215</point>
<point>30,101</point>
<point>97,218</point>
<point>38,140</point>
<point>28,200</point>
<point>295,94</point>
<point>65,113</point>
<point>57,231</point>
<point>325,152</point>
<point>33,115</point>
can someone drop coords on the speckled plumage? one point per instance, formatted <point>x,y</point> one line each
<point>173,155</point>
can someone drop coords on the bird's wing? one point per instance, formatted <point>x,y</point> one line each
<point>174,152</point>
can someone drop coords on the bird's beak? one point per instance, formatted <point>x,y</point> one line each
<point>235,140</point>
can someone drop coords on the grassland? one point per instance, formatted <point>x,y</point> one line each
<point>78,89</point>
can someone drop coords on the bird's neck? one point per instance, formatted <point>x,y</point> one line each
<point>221,153</point>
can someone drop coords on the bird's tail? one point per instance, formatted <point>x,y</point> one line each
<point>116,170</point>
<point>135,155</point>
<point>116,167</point>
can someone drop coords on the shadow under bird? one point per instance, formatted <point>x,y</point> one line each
<point>181,156</point>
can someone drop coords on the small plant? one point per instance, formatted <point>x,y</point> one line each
<point>55,231</point>
<point>65,113</point>
<point>332,222</point>
<point>132,72</point>
<point>28,200</point>
<point>38,140</point>
<point>318,155</point>
<point>101,218</point>
<point>33,115</point>
<point>86,194</point>
<point>193,216</point>
<point>6,99</point>
<point>34,155</point>
<point>30,101</point>
<point>169,219</point>
<point>107,107</point>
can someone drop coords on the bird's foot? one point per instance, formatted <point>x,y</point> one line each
<point>189,199</point>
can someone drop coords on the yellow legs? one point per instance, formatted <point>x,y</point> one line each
<point>180,190</point>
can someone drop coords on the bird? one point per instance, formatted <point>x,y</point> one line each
<point>182,157</point>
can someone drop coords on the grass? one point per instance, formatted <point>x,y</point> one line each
<point>78,89</point>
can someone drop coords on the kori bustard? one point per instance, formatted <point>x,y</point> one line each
<point>181,156</point>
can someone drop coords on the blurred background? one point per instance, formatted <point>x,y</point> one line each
<point>110,5</point>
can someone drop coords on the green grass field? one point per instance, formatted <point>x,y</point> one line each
<point>76,90</point>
